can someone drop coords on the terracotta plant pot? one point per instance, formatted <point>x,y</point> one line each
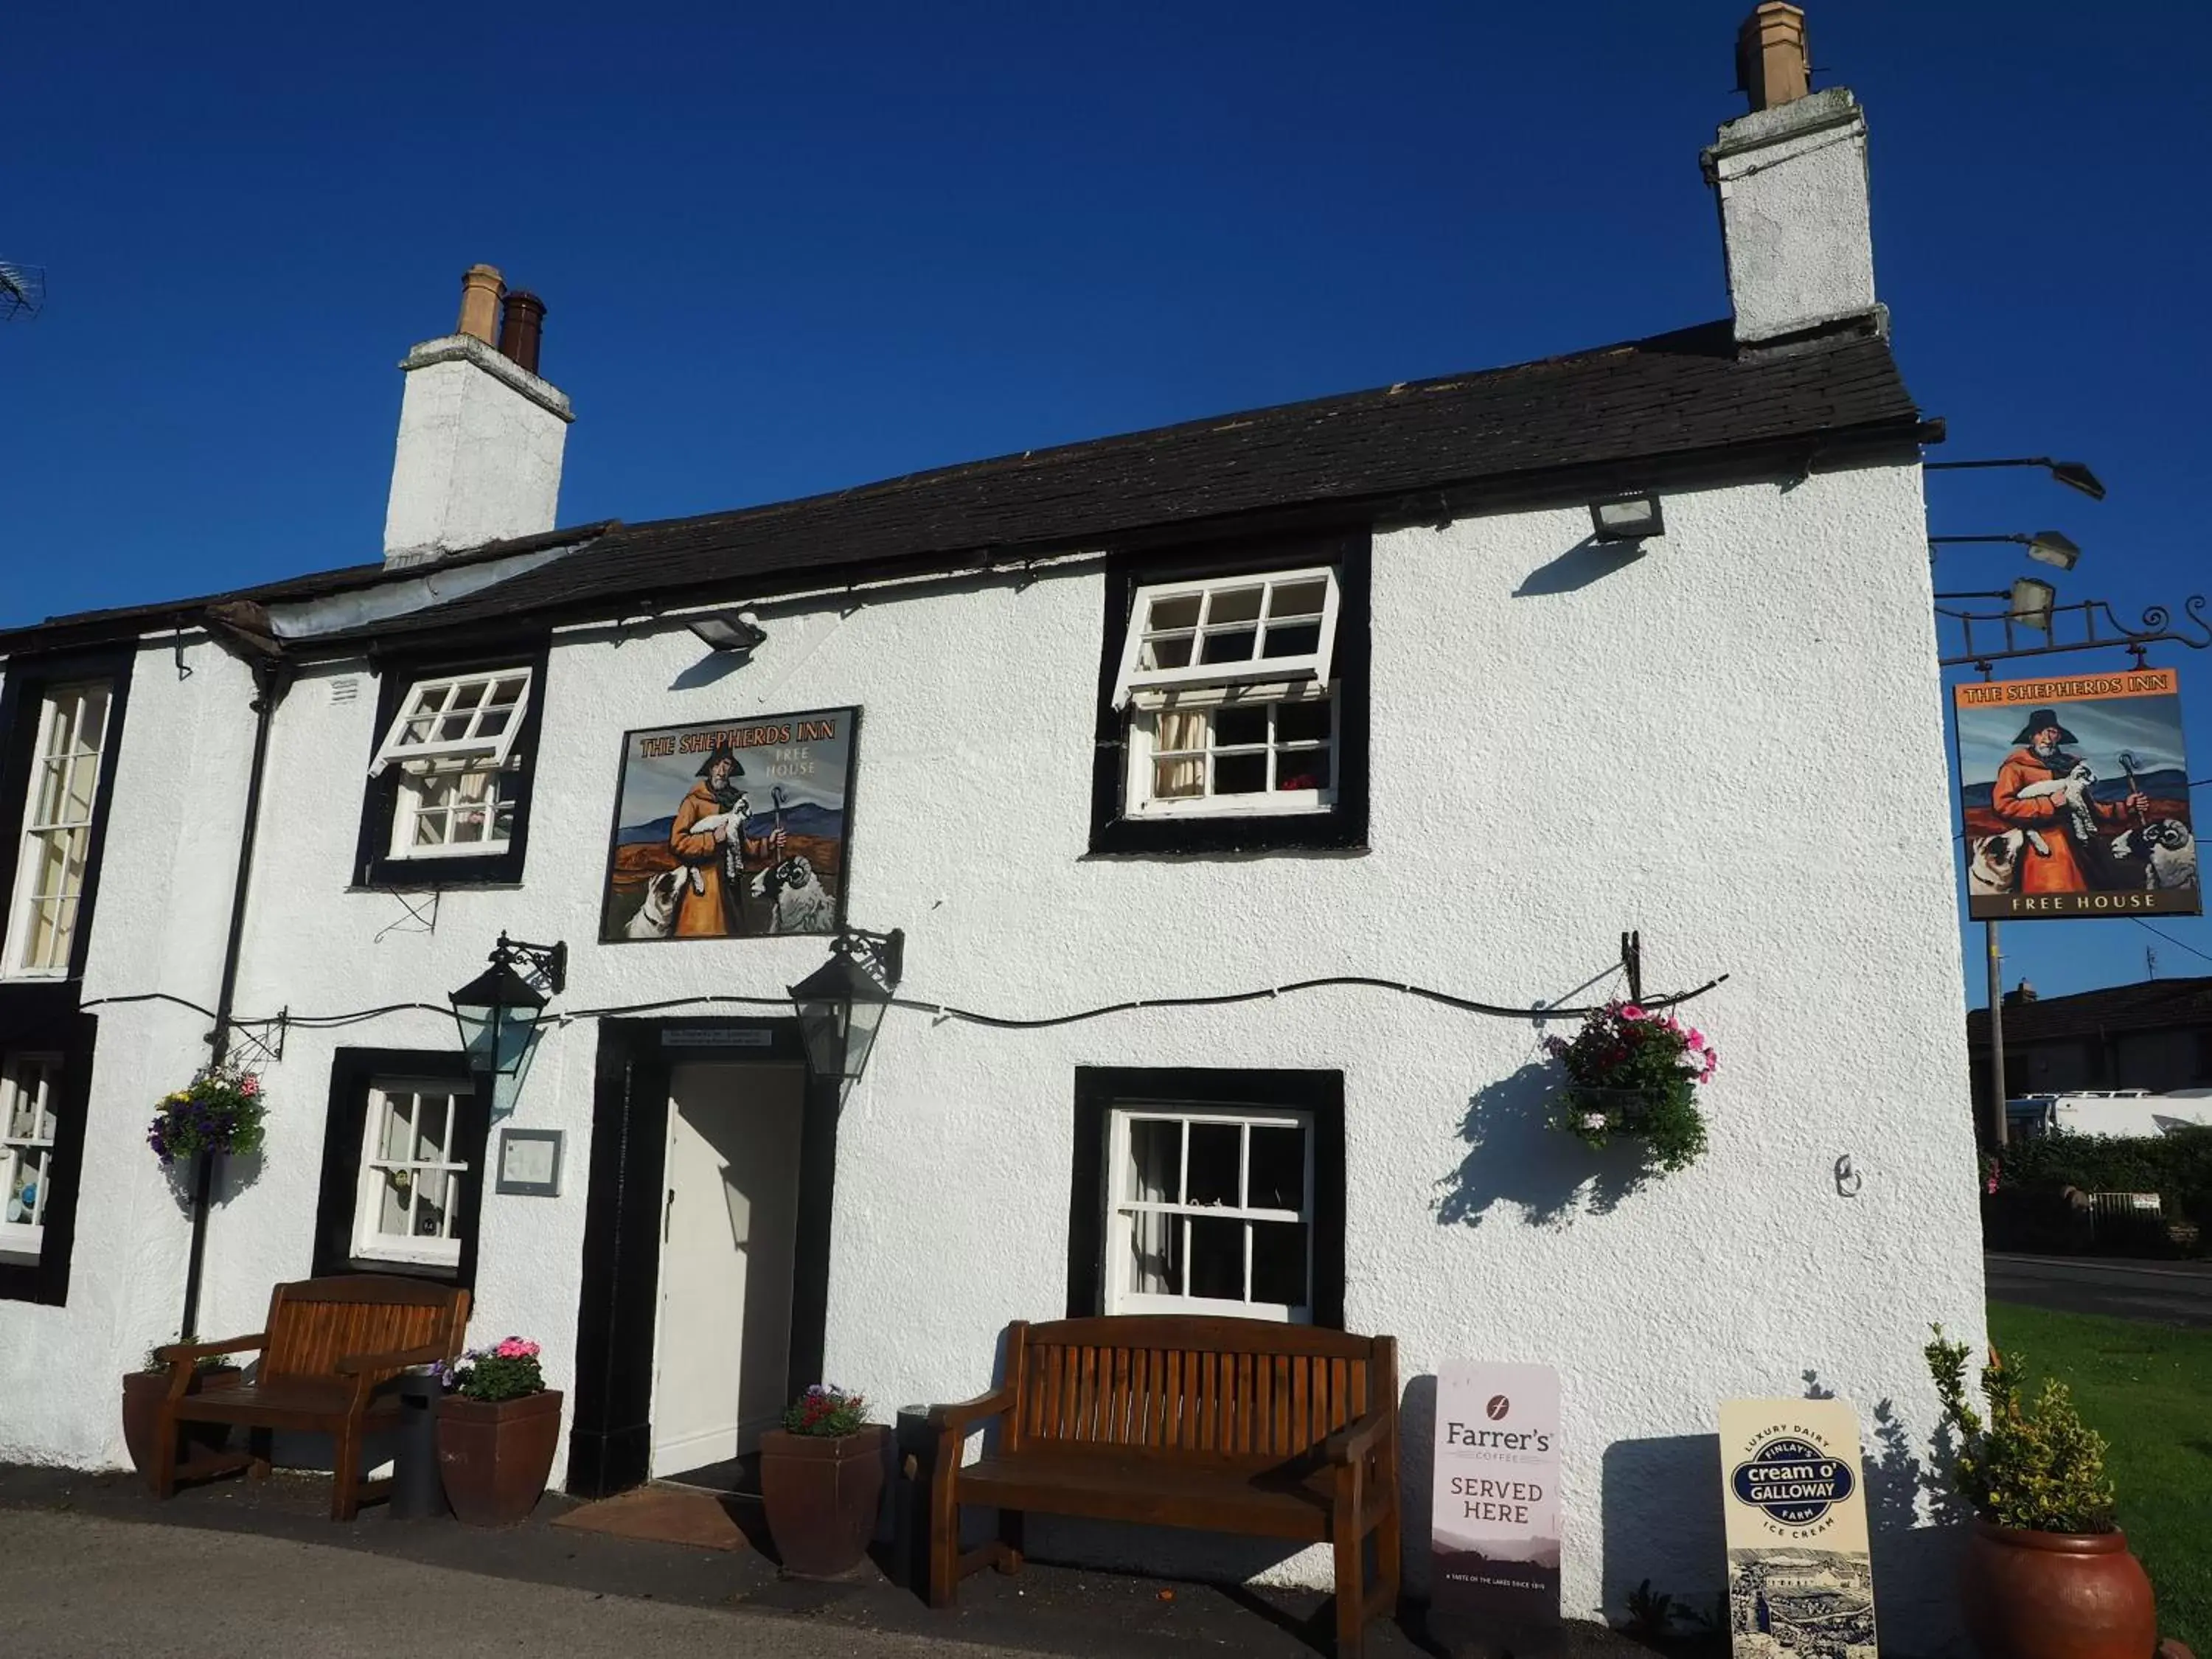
<point>822,1493</point>
<point>2054,1596</point>
<point>495,1455</point>
<point>143,1394</point>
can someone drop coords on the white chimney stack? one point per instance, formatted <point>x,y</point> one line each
<point>480,433</point>
<point>1792,180</point>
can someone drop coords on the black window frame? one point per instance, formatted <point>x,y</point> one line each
<point>27,683</point>
<point>354,1071</point>
<point>1100,1088</point>
<point>1343,826</point>
<point>374,864</point>
<point>33,1023</point>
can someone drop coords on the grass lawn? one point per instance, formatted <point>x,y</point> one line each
<point>2147,1390</point>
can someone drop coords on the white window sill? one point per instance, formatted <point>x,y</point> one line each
<point>1282,803</point>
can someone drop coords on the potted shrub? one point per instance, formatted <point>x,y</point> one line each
<point>2046,1574</point>
<point>144,1391</point>
<point>220,1110</point>
<point>498,1427</point>
<point>1631,1071</point>
<point>821,1481</point>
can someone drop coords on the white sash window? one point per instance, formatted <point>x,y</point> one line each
<point>27,1084</point>
<point>1211,1212</point>
<point>57,843</point>
<point>411,1171</point>
<point>453,739</point>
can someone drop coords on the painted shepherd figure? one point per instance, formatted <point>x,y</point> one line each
<point>715,899</point>
<point>2061,863</point>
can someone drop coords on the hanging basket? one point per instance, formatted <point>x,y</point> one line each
<point>1634,1074</point>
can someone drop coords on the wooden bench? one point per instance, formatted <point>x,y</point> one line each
<point>1237,1425</point>
<point>328,1344</point>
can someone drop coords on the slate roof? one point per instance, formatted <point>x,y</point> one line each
<point>2151,1004</point>
<point>1670,398</point>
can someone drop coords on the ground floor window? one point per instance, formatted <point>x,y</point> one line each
<point>412,1172</point>
<point>402,1165</point>
<point>1210,1192</point>
<point>1212,1213</point>
<point>29,1086</point>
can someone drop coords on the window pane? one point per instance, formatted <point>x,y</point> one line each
<point>429,829</point>
<point>433,1115</point>
<point>1178,780</point>
<point>1293,640</point>
<point>1168,651</point>
<point>503,825</point>
<point>26,1195</point>
<point>1155,1263</point>
<point>1217,1258</point>
<point>391,1203</point>
<point>83,776</point>
<point>469,695</point>
<point>1154,1160</point>
<point>1279,1262</point>
<point>1303,768</point>
<point>1234,605</point>
<point>452,728</point>
<point>492,722</point>
<point>1240,774</point>
<point>433,1218</point>
<point>1173,613</point>
<point>1302,722</point>
<point>1298,599</point>
<point>1278,1179</point>
<point>396,1137</point>
<point>509,692</point>
<point>1234,644</point>
<point>417,730</point>
<point>1216,1152</point>
<point>1241,724</point>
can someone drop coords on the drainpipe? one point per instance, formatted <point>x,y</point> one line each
<point>272,677</point>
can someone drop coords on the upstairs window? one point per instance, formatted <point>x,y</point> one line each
<point>29,1084</point>
<point>448,783</point>
<point>1237,706</point>
<point>69,747</point>
<point>454,743</point>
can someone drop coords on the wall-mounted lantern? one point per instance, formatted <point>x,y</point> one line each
<point>841,1003</point>
<point>498,1009</point>
<point>1630,518</point>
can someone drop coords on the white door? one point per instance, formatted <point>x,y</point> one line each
<point>729,1217</point>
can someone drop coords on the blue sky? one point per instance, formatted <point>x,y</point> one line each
<point>790,248</point>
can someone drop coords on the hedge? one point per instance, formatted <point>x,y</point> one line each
<point>2027,1211</point>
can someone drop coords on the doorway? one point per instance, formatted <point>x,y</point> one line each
<point>729,1227</point>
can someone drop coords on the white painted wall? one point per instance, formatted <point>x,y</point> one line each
<point>479,452</point>
<point>1734,743</point>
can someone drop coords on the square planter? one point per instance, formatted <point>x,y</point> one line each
<point>495,1455</point>
<point>822,1493</point>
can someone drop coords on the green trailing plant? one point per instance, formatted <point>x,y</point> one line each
<point>2036,1468</point>
<point>827,1412</point>
<point>1635,1072</point>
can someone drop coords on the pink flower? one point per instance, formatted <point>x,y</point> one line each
<point>1696,1038</point>
<point>515,1347</point>
<point>1632,1011</point>
<point>249,1085</point>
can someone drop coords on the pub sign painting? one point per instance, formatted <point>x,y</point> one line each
<point>2075,794</point>
<point>735,829</point>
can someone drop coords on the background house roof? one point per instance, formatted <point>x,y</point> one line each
<point>1670,398</point>
<point>2150,1003</point>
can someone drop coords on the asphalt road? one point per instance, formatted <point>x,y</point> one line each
<point>77,1587</point>
<point>2161,1292</point>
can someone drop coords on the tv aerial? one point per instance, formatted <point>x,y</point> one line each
<point>22,290</point>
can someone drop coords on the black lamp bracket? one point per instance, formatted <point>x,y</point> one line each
<point>2091,625</point>
<point>882,956</point>
<point>547,963</point>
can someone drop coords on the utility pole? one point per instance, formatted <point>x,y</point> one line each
<point>1996,1039</point>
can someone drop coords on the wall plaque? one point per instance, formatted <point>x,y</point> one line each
<point>1794,1492</point>
<point>1495,1517</point>
<point>529,1163</point>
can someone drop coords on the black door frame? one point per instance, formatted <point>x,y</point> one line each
<point>611,1441</point>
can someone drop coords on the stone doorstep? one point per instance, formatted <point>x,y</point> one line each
<point>1046,1609</point>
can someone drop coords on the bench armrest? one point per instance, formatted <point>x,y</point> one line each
<point>172,1352</point>
<point>1355,1440</point>
<point>394,1359</point>
<point>959,1421</point>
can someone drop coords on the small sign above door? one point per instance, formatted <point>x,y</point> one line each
<point>720,1036</point>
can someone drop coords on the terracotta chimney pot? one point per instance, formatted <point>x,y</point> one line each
<point>481,288</point>
<point>519,330</point>
<point>1771,62</point>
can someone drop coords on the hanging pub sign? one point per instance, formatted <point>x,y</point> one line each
<point>2076,793</point>
<point>1793,1492</point>
<point>1494,1525</point>
<point>735,829</point>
